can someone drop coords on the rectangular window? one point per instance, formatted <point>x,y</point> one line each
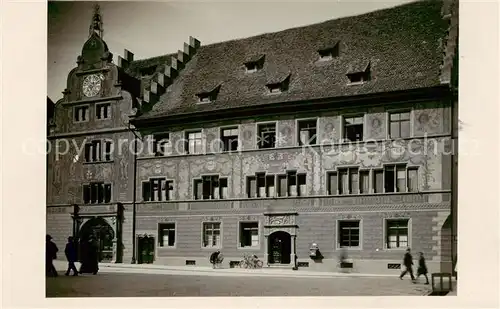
<point>348,180</point>
<point>198,189</point>
<point>397,178</point>
<point>353,128</point>
<point>401,178</point>
<point>397,233</point>
<point>98,151</point>
<point>229,138</point>
<point>249,234</point>
<point>103,111</point>
<point>157,189</point>
<point>301,184</point>
<point>261,185</point>
<point>97,193</point>
<point>332,183</point>
<point>378,181</point>
<point>166,234</point>
<point>389,178</point>
<point>107,150</point>
<point>413,179</point>
<point>211,235</point>
<point>270,191</point>
<point>292,183</point>
<point>194,144</point>
<point>353,181</point>
<point>210,187</point>
<point>349,234</point>
<point>267,135</point>
<point>307,132</point>
<point>399,125</point>
<point>161,144</point>
<point>81,113</point>
<point>364,182</point>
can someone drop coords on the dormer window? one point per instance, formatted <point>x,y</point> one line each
<point>204,98</point>
<point>329,53</point>
<point>359,76</point>
<point>208,96</point>
<point>254,63</point>
<point>275,87</point>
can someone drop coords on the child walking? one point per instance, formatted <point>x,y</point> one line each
<point>422,268</point>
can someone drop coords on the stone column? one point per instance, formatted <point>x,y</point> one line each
<point>292,254</point>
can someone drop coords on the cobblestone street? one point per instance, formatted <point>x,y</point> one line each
<point>160,285</point>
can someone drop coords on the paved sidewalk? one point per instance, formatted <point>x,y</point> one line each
<point>208,271</point>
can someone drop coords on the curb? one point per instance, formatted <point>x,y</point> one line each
<point>137,268</point>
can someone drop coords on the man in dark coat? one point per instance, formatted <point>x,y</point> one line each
<point>70,252</point>
<point>89,257</point>
<point>408,263</point>
<point>50,255</point>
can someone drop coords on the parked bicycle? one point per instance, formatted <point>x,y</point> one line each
<point>251,261</point>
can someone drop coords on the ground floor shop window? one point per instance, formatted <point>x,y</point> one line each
<point>166,235</point>
<point>249,234</point>
<point>211,235</point>
<point>349,234</point>
<point>397,233</point>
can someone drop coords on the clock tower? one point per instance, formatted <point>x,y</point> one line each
<point>90,177</point>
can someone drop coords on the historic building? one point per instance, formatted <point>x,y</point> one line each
<point>294,146</point>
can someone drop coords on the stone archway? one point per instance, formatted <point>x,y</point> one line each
<point>279,248</point>
<point>103,233</point>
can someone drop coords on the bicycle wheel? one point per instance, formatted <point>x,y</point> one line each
<point>259,264</point>
<point>243,264</point>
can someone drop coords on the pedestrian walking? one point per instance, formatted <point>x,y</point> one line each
<point>89,257</point>
<point>408,263</point>
<point>422,267</point>
<point>71,256</point>
<point>50,255</point>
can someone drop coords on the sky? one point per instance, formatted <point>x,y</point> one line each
<point>150,29</point>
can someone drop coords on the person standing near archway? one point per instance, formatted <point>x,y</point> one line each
<point>50,255</point>
<point>71,255</point>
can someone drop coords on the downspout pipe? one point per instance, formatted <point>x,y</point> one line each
<point>134,196</point>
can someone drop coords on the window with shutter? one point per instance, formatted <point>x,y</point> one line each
<point>252,186</point>
<point>332,183</point>
<point>413,179</point>
<point>378,177</point>
<point>364,185</point>
<point>282,185</point>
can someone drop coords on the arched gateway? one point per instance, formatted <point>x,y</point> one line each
<point>280,232</point>
<point>280,248</point>
<point>103,233</point>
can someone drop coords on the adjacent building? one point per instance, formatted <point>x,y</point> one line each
<point>295,146</point>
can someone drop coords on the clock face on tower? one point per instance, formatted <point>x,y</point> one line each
<point>92,84</point>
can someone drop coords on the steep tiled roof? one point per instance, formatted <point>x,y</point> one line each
<point>402,45</point>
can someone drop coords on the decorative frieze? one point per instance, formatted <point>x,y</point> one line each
<point>211,219</point>
<point>98,209</point>
<point>59,210</point>
<point>248,218</point>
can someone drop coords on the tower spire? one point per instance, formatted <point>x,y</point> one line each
<point>96,26</point>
